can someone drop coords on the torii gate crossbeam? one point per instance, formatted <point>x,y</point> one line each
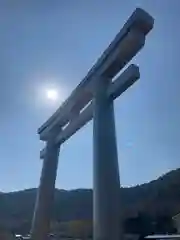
<point>93,98</point>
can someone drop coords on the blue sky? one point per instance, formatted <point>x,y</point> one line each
<point>46,44</point>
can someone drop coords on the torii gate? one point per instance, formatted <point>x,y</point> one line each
<point>93,98</point>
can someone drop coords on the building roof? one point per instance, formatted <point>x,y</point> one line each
<point>165,236</point>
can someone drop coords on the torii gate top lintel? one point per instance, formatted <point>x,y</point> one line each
<point>126,44</point>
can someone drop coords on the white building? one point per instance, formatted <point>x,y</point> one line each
<point>176,220</point>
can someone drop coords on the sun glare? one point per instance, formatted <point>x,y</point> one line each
<point>52,94</point>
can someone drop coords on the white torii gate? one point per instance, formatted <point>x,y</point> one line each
<point>93,98</point>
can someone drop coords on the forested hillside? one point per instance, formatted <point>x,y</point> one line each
<point>157,198</point>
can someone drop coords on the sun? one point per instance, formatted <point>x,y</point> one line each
<point>52,94</point>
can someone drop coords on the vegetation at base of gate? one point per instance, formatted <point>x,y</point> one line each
<point>147,208</point>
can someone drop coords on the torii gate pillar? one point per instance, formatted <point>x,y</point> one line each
<point>42,213</point>
<point>106,201</point>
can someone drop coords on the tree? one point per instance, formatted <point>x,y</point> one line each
<point>164,224</point>
<point>142,224</point>
<point>81,229</point>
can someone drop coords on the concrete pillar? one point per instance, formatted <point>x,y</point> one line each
<point>106,214</point>
<point>44,201</point>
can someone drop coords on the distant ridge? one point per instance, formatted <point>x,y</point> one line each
<point>157,197</point>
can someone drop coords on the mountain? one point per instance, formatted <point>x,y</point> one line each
<point>155,198</point>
